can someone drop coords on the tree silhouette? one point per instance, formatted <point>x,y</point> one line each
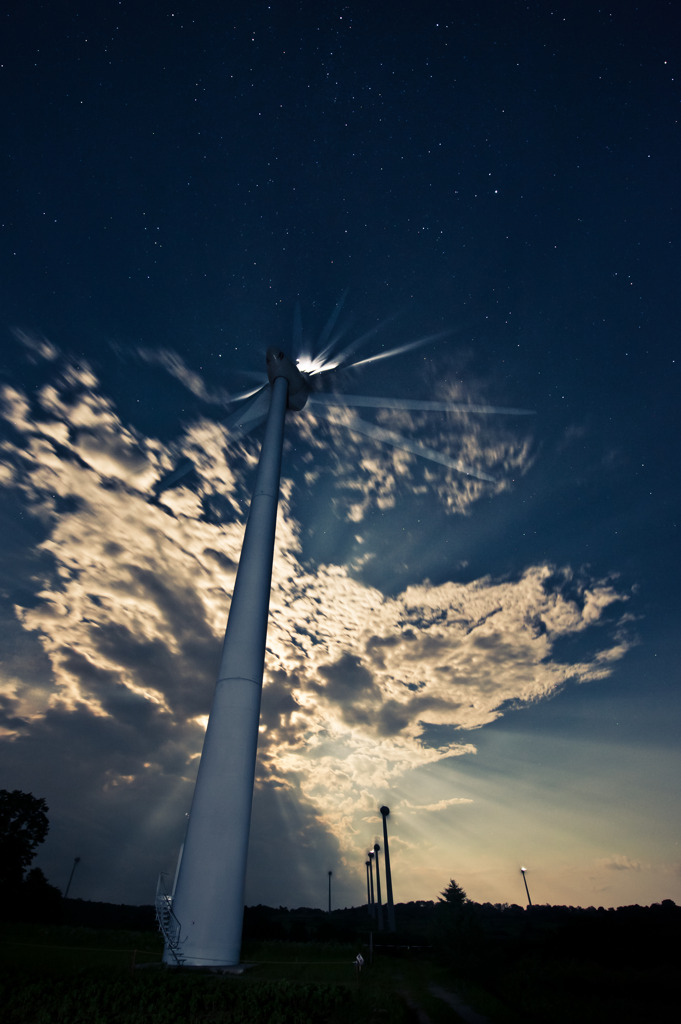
<point>453,895</point>
<point>40,901</point>
<point>23,826</point>
<point>455,924</point>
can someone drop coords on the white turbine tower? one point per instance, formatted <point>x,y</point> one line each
<point>202,917</point>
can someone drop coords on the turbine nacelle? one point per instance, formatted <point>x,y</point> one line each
<point>279,365</point>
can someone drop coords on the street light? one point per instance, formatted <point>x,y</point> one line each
<point>379,904</point>
<point>372,911</point>
<point>76,862</point>
<point>523,873</point>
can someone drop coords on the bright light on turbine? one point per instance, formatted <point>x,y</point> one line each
<point>312,365</point>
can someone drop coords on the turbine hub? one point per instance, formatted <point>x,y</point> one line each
<point>279,365</point>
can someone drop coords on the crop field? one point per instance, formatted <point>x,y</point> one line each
<point>60,975</point>
<point>550,966</point>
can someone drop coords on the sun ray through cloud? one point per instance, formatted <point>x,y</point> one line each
<point>358,685</point>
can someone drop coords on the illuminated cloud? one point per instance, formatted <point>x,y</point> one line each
<point>439,805</point>
<point>173,363</point>
<point>129,603</point>
<point>369,474</point>
<point>37,349</point>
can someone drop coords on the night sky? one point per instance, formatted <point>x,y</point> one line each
<point>184,185</point>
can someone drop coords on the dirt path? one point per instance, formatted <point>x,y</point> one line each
<point>421,1014</point>
<point>464,1011</point>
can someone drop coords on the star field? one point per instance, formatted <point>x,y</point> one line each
<point>497,660</point>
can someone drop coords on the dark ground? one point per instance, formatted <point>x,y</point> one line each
<point>514,966</point>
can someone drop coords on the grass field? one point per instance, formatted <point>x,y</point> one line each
<point>62,975</point>
<point>78,975</point>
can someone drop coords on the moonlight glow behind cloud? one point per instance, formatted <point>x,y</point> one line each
<point>361,689</point>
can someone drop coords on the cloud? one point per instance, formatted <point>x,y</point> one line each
<point>127,605</point>
<point>368,474</point>
<point>37,348</point>
<point>440,805</point>
<point>619,862</point>
<point>173,363</point>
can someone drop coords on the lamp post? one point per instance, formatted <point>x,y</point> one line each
<point>330,873</point>
<point>76,862</point>
<point>379,902</point>
<point>368,865</point>
<point>372,908</point>
<point>523,873</point>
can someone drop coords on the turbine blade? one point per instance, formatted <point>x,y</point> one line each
<point>182,469</point>
<point>370,402</point>
<point>330,324</point>
<point>297,329</point>
<point>240,422</point>
<point>342,359</point>
<point>231,399</point>
<point>372,430</point>
<point>250,415</point>
<point>323,361</point>
<point>408,347</point>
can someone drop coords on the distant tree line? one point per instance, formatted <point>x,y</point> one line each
<point>534,964</point>
<point>453,928</point>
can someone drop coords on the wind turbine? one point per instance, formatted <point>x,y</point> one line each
<point>202,918</point>
<point>385,811</point>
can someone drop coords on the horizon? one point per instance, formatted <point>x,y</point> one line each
<point>423,904</point>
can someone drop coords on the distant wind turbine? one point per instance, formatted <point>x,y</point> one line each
<point>385,811</point>
<point>202,917</point>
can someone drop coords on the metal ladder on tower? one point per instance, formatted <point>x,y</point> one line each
<point>167,922</point>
